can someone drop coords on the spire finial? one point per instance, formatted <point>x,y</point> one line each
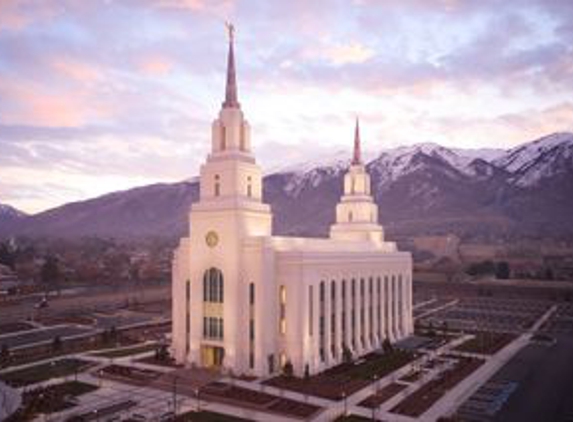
<point>231,99</point>
<point>357,158</point>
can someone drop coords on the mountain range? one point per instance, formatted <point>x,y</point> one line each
<point>421,189</point>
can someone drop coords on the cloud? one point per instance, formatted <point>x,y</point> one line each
<point>128,88</point>
<point>348,53</point>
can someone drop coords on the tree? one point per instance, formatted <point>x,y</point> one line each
<point>288,369</point>
<point>50,272</point>
<point>502,270</point>
<point>57,344</point>
<point>346,354</point>
<point>162,353</point>
<point>7,256</point>
<point>4,355</point>
<point>387,346</point>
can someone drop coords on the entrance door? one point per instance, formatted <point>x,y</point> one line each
<point>212,356</point>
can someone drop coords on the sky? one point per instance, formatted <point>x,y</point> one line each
<point>102,95</point>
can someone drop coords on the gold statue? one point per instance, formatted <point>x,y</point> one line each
<point>230,30</point>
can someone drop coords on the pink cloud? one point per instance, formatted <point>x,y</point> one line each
<point>77,70</point>
<point>155,65</point>
<point>38,106</point>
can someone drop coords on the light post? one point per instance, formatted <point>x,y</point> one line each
<point>197,392</point>
<point>345,403</point>
<point>175,395</point>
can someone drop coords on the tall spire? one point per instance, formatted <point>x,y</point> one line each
<point>357,158</point>
<point>231,99</point>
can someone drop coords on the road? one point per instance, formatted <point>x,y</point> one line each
<point>83,302</point>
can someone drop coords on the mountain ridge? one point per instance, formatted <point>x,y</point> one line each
<point>424,188</point>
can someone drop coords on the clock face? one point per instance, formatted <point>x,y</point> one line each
<point>212,239</point>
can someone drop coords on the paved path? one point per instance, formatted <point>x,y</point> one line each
<point>438,309</point>
<point>454,398</point>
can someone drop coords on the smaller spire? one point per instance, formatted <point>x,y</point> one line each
<point>231,97</point>
<point>357,158</point>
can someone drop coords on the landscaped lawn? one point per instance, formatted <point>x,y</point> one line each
<point>352,418</point>
<point>346,378</point>
<point>45,371</point>
<point>51,399</point>
<point>119,353</point>
<point>486,343</point>
<point>424,397</point>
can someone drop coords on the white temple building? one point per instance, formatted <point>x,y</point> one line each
<point>247,301</point>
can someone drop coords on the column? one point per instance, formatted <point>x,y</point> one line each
<point>316,325</point>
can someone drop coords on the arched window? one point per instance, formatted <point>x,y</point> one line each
<point>350,217</point>
<point>213,286</point>
<point>249,187</point>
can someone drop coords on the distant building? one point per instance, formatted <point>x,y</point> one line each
<point>248,301</point>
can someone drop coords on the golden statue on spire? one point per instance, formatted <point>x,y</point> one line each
<point>230,30</point>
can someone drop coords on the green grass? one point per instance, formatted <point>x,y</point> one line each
<point>43,372</point>
<point>120,353</point>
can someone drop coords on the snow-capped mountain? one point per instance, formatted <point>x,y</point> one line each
<point>424,188</point>
<point>533,162</point>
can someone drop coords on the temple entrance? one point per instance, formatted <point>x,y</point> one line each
<point>212,356</point>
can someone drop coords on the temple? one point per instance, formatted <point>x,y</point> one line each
<point>249,302</point>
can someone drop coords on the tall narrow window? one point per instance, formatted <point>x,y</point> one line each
<point>242,140</point>
<point>223,138</point>
<point>321,327</point>
<point>350,217</point>
<point>217,185</point>
<point>282,316</point>
<point>310,310</point>
<point>187,315</point>
<point>251,325</point>
<point>333,339</point>
<point>249,187</point>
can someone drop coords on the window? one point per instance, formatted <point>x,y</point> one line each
<point>310,309</point>
<point>217,185</point>
<point>213,328</point>
<point>249,187</point>
<point>223,138</point>
<point>252,293</point>
<point>213,286</point>
<point>350,217</point>
<point>282,310</point>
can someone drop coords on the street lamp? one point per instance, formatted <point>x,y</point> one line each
<point>197,392</point>
<point>345,403</point>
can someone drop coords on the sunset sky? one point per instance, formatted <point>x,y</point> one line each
<point>102,95</point>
